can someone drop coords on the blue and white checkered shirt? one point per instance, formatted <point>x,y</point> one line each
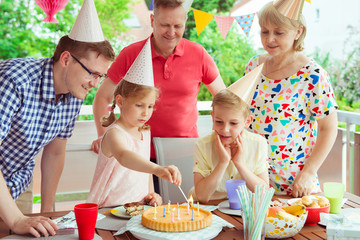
<point>30,117</point>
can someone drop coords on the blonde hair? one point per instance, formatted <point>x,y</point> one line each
<point>227,99</point>
<point>269,15</point>
<point>128,90</point>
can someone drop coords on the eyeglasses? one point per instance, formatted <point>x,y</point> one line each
<point>95,76</point>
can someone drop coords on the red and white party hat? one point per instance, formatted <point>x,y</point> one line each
<point>87,26</point>
<point>141,71</point>
<point>245,87</point>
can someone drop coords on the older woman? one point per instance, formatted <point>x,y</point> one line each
<point>293,107</point>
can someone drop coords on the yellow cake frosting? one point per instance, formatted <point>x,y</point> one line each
<point>185,223</point>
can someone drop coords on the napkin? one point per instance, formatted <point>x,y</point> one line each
<point>347,215</point>
<point>68,221</point>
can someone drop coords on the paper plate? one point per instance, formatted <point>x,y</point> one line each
<point>121,211</point>
<point>224,207</point>
<point>139,231</point>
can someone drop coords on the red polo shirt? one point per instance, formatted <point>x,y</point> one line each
<point>178,77</point>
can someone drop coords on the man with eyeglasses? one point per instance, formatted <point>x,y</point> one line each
<point>40,100</point>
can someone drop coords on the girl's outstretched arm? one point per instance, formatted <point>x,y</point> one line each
<point>114,145</point>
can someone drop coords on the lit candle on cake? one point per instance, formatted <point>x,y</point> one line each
<point>191,201</point>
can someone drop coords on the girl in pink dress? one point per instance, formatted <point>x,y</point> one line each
<point>123,171</point>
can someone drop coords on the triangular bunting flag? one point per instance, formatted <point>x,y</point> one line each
<point>202,19</point>
<point>309,1</point>
<point>224,24</point>
<point>246,22</point>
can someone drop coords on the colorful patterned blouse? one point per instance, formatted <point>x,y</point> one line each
<point>285,113</point>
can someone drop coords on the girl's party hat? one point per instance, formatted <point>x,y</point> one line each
<point>141,71</point>
<point>187,5</point>
<point>289,8</point>
<point>245,86</point>
<point>87,26</point>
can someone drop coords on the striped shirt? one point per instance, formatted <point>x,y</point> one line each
<point>30,117</point>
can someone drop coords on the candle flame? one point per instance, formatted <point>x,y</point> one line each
<point>191,201</point>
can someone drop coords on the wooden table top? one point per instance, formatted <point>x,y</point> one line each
<point>307,232</point>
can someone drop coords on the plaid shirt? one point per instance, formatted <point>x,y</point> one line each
<point>30,117</point>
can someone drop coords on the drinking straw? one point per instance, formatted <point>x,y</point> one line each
<point>254,207</point>
<point>262,213</point>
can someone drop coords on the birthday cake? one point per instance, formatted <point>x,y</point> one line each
<point>189,219</point>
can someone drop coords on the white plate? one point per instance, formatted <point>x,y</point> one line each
<point>224,207</point>
<point>140,232</point>
<point>121,211</point>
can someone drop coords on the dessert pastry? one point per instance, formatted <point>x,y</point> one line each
<point>323,202</point>
<point>306,200</point>
<point>172,223</point>
<point>134,208</point>
<point>314,204</point>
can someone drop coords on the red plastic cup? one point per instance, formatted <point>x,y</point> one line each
<point>86,215</point>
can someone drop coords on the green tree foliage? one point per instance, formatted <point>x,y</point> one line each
<point>23,34</point>
<point>345,74</point>
<point>230,55</point>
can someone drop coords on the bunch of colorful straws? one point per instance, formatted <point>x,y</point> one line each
<point>254,208</point>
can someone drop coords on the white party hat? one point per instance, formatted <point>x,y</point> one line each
<point>187,5</point>
<point>246,86</point>
<point>87,26</point>
<point>290,8</point>
<point>141,71</point>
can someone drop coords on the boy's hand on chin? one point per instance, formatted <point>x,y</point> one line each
<point>224,151</point>
<point>237,150</point>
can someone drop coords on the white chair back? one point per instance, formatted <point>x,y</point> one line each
<point>178,152</point>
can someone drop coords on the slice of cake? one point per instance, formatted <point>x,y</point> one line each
<point>134,208</point>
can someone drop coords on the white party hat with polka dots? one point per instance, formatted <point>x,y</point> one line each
<point>246,86</point>
<point>290,8</point>
<point>187,5</point>
<point>141,71</point>
<point>87,26</point>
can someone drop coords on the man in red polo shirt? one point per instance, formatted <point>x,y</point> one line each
<point>179,67</point>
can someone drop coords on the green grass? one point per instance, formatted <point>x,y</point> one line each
<point>64,197</point>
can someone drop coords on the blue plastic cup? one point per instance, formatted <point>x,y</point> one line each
<point>231,186</point>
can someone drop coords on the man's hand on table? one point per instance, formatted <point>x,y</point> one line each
<point>37,226</point>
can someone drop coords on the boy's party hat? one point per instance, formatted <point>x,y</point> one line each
<point>245,86</point>
<point>289,8</point>
<point>87,26</point>
<point>141,71</point>
<point>187,5</point>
